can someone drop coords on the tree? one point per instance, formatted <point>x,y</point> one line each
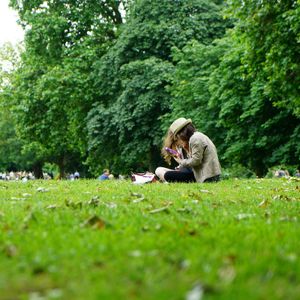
<point>245,86</point>
<point>191,87</point>
<point>10,144</point>
<point>270,30</point>
<point>53,85</point>
<point>253,130</point>
<point>125,123</point>
<point>129,130</point>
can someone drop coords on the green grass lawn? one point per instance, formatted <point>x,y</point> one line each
<point>237,239</point>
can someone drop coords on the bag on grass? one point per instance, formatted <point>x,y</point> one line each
<point>141,178</point>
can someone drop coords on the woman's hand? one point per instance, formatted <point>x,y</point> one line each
<point>178,156</point>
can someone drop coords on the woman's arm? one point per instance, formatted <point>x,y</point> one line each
<point>197,148</point>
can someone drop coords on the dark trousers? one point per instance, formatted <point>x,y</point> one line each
<point>186,175</point>
<point>181,175</point>
<point>213,179</point>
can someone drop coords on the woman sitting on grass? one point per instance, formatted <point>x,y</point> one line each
<point>195,153</point>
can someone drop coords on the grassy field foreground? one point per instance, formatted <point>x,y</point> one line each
<point>237,239</point>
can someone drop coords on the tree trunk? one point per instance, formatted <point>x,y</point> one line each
<point>155,159</point>
<point>61,166</point>
<point>260,170</point>
<point>38,171</point>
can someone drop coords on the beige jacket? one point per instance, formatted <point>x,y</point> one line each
<point>202,157</point>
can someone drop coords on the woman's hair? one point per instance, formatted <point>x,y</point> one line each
<point>186,132</point>
<point>170,142</point>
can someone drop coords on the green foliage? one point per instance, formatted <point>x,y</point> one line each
<point>43,115</point>
<point>51,169</point>
<point>257,133</point>
<point>191,86</point>
<point>237,171</point>
<point>59,25</point>
<point>10,145</point>
<point>53,87</point>
<point>128,129</point>
<point>163,24</point>
<point>125,126</point>
<point>231,96</point>
<point>270,33</point>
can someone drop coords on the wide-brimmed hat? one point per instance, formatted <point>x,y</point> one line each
<point>178,124</point>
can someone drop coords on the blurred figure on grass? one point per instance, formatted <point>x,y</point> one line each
<point>105,175</point>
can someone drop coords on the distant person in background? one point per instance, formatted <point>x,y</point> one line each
<point>46,176</point>
<point>121,177</point>
<point>281,173</point>
<point>12,176</point>
<point>297,174</point>
<point>76,175</point>
<point>105,175</point>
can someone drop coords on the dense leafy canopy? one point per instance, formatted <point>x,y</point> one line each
<point>99,82</point>
<point>53,85</point>
<point>133,75</point>
<point>270,32</point>
<point>255,132</point>
<point>10,145</point>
